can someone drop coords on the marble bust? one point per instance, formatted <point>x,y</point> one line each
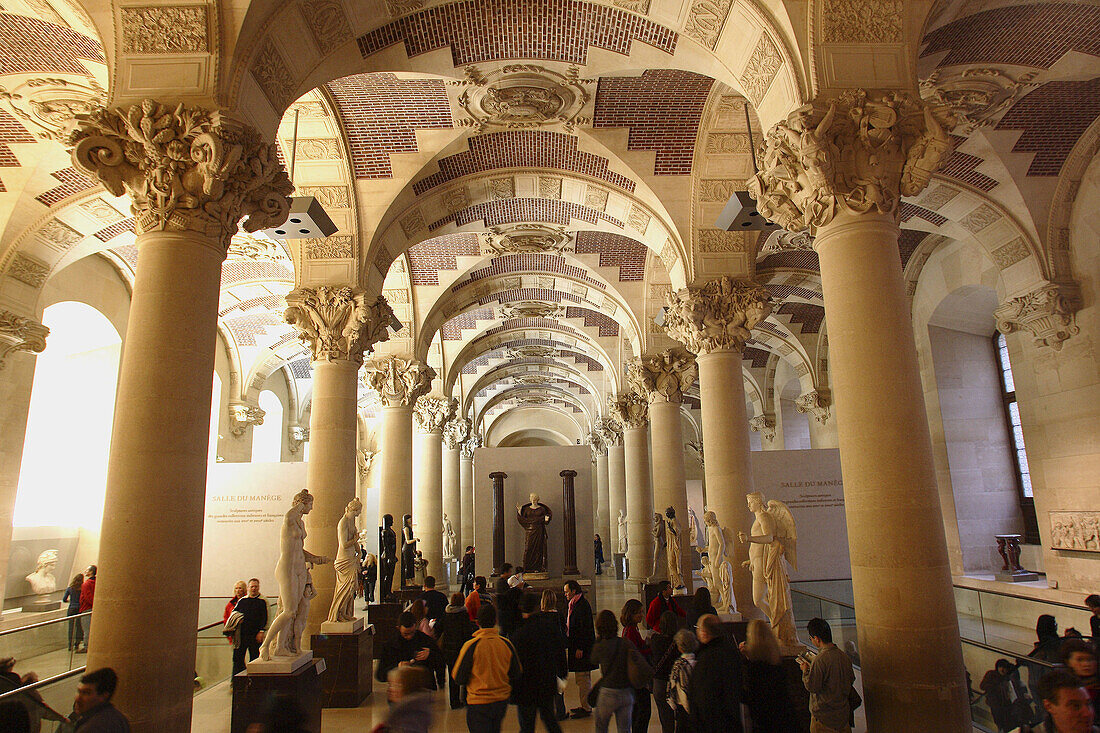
<point>42,580</point>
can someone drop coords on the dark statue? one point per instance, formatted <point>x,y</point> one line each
<point>533,518</point>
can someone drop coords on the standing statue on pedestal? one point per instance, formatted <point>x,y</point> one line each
<point>693,529</point>
<point>658,532</point>
<point>387,549</point>
<point>533,518</point>
<point>622,532</point>
<point>284,636</point>
<point>721,569</point>
<point>408,552</point>
<point>448,539</point>
<point>772,538</point>
<point>673,542</point>
<point>346,565</point>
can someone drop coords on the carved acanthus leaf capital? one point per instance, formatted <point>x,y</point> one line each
<point>719,315</point>
<point>815,402</point>
<point>860,151</point>
<point>242,416</point>
<point>400,382</point>
<point>455,432</point>
<point>18,333</point>
<point>472,444</point>
<point>630,409</point>
<point>338,323</point>
<point>609,430</point>
<point>1048,313</point>
<point>763,424</point>
<point>662,377</point>
<point>184,168</point>
<point>432,413</point>
<point>595,441</point>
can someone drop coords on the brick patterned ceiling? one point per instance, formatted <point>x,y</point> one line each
<point>806,315</point>
<point>757,358</point>
<point>799,260</point>
<point>662,108</point>
<point>106,234</point>
<point>11,132</point>
<point>908,239</point>
<point>472,366</point>
<point>608,326</point>
<point>28,45</point>
<point>551,30</point>
<point>522,149</point>
<point>452,329</point>
<point>962,167</point>
<point>615,250</point>
<point>907,211</point>
<point>380,113</point>
<point>511,211</point>
<point>543,323</point>
<point>427,258</point>
<point>1053,117</point>
<point>529,262</point>
<point>72,183</point>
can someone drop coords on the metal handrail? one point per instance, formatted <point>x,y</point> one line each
<point>41,683</point>
<point>1021,598</point>
<point>44,623</point>
<point>823,598</point>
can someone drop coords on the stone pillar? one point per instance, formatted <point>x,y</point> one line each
<point>616,479</point>
<point>324,318</point>
<point>858,153</point>
<point>498,520</point>
<point>632,412</point>
<point>602,524</point>
<point>400,382</point>
<point>431,414</point>
<point>454,433</point>
<point>191,175</point>
<point>662,379</point>
<point>714,321</point>
<point>569,555</point>
<point>466,490</point>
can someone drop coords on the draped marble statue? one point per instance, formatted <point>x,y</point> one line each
<point>772,538</point>
<point>721,571</point>
<point>346,565</point>
<point>658,532</point>
<point>533,518</point>
<point>674,546</point>
<point>448,538</point>
<point>622,532</point>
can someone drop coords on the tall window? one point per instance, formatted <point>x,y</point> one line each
<point>1012,414</point>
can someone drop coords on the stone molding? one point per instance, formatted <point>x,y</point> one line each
<point>185,169</point>
<point>662,377</point>
<point>242,416</point>
<point>470,445</point>
<point>718,316</point>
<point>860,151</point>
<point>1048,313</point>
<point>455,432</point>
<point>815,402</point>
<point>338,323</point>
<point>763,424</point>
<point>18,333</point>
<point>399,381</point>
<point>630,409</point>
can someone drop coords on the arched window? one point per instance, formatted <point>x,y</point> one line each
<point>267,439</point>
<point>1016,431</point>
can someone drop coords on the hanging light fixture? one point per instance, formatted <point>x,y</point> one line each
<point>307,219</point>
<point>740,213</point>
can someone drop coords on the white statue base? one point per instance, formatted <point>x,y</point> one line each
<point>535,576</point>
<point>279,665</point>
<point>724,617</point>
<point>342,627</point>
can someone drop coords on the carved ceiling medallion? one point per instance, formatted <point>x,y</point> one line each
<point>532,309</point>
<point>47,104</point>
<point>523,96</point>
<point>526,239</point>
<point>527,352</point>
<point>535,379</point>
<point>977,97</point>
<point>782,240</point>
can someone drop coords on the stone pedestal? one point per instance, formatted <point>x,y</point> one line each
<point>350,662</point>
<point>41,606</point>
<point>253,693</point>
<point>619,561</point>
<point>383,617</point>
<point>1008,546</point>
<point>279,665</point>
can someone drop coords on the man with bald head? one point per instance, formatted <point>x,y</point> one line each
<point>715,691</point>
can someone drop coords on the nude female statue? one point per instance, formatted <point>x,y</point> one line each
<point>295,584</point>
<point>673,542</point>
<point>346,565</point>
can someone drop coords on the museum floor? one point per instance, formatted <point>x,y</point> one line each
<point>212,708</point>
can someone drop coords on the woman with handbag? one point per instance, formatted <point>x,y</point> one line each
<point>633,613</point>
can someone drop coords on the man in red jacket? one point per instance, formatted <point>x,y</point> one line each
<point>87,595</point>
<point>662,602</point>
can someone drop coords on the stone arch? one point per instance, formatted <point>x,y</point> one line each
<point>560,370</point>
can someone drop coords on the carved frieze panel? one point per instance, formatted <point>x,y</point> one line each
<point>318,149</point>
<point>327,22</point>
<point>938,197</point>
<point>1009,254</point>
<point>455,199</point>
<point>549,187</point>
<point>862,21</point>
<point>58,235</point>
<point>761,69</point>
<point>45,105</point>
<point>980,218</point>
<point>28,270</point>
<point>101,211</point>
<point>526,238</point>
<point>727,142</point>
<point>716,240</point>
<point>331,197</point>
<point>330,248</point>
<point>596,198</point>
<point>638,219</point>
<point>716,189</point>
<point>160,29</point>
<point>273,75</point>
<point>502,188</point>
<point>705,20</point>
<point>412,222</point>
<point>1075,531</point>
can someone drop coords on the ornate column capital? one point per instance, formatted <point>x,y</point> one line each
<point>364,459</point>
<point>815,402</point>
<point>432,413</point>
<point>399,381</point>
<point>455,432</point>
<point>630,409</point>
<point>338,323</point>
<point>609,430</point>
<point>473,443</point>
<point>243,415</point>
<point>596,442</point>
<point>763,424</point>
<point>696,447</point>
<point>719,315</point>
<point>184,168</point>
<point>859,151</point>
<point>18,333</point>
<point>296,435</point>
<point>1048,313</point>
<point>662,377</point>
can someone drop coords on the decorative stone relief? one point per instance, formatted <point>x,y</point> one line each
<point>727,142</point>
<point>529,352</point>
<point>534,399</point>
<point>331,197</point>
<point>638,219</point>
<point>18,333</point>
<point>1075,531</point>
<point>327,22</point>
<point>815,402</point>
<point>330,248</point>
<point>59,235</point>
<point>1048,313</point>
<point>763,424</point>
<point>28,270</point>
<point>523,96</point>
<point>862,21</point>
<point>470,446</point>
<point>595,442</point>
<point>45,105</point>
<point>716,189</point>
<point>399,381</point>
<point>338,323</point>
<point>720,315</point>
<point>455,432</point>
<point>401,7</point>
<point>550,188</point>
<point>938,197</point>
<point>101,211</point>
<point>502,188</point>
<point>629,409</point>
<point>980,218</point>
<point>977,97</point>
<point>296,435</point>
<point>455,199</point>
<point>245,247</point>
<point>609,430</point>
<point>763,64</point>
<point>412,222</point>
<point>716,240</point>
<point>862,152</point>
<point>526,238</point>
<point>662,377</point>
<point>364,459</point>
<point>1009,254</point>
<point>534,379</point>
<point>638,6</point>
<point>595,197</point>
<point>184,168</point>
<point>784,241</point>
<point>273,75</point>
<point>242,416</point>
<point>532,309</point>
<point>396,296</point>
<point>319,149</point>
<point>160,29</point>
<point>696,448</point>
<point>705,20</point>
<point>432,413</point>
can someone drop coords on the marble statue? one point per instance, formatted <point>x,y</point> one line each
<point>42,580</point>
<point>673,543</point>
<point>772,538</point>
<point>448,539</point>
<point>533,518</point>
<point>408,552</point>
<point>346,565</point>
<point>658,532</point>
<point>693,528</point>
<point>284,636</point>
<point>387,550</point>
<point>720,580</point>
<point>622,532</point>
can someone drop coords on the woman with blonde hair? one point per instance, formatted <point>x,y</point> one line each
<point>764,681</point>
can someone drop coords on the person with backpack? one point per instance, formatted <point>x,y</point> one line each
<point>488,667</point>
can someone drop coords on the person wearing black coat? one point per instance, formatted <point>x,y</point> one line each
<point>413,646</point>
<point>453,629</point>
<point>580,634</point>
<point>540,645</point>
<point>664,656</point>
<point>715,690</point>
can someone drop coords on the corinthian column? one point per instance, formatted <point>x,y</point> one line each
<point>632,412</point>
<point>454,433</point>
<point>601,524</point>
<point>337,325</point>
<point>661,380</point>
<point>714,321</point>
<point>191,175</point>
<point>431,414</point>
<point>400,382</point>
<point>466,488</point>
<point>852,158</point>
<point>612,433</point>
